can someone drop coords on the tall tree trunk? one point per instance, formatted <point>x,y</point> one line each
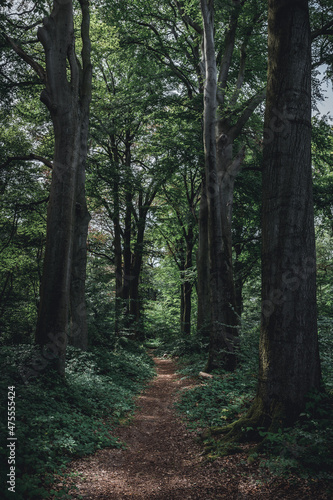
<point>79,328</point>
<point>118,262</point>
<point>222,350</point>
<point>228,168</point>
<point>289,358</point>
<point>204,313</point>
<point>62,97</point>
<point>135,299</point>
<point>188,286</point>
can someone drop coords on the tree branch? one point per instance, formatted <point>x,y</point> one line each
<point>28,59</point>
<point>324,30</point>
<point>252,104</point>
<point>187,19</point>
<point>30,157</point>
<point>230,38</point>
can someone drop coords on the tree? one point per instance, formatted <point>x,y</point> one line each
<point>177,223</point>
<point>289,359</point>
<point>172,33</point>
<point>67,97</point>
<point>231,114</point>
<point>127,164</point>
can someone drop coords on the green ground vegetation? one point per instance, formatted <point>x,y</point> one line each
<point>57,419</point>
<point>304,450</point>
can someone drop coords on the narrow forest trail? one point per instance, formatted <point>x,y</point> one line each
<point>163,461</point>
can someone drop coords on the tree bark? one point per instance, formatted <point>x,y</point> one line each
<point>222,351</point>
<point>289,357</point>
<point>117,256</point>
<point>289,364</point>
<point>204,313</point>
<point>63,99</point>
<point>79,328</point>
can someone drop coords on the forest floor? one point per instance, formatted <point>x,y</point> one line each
<point>164,461</point>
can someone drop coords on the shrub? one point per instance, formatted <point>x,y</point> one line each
<point>58,419</point>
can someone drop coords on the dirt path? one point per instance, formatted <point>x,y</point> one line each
<point>163,461</point>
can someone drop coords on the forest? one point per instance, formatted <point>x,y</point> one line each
<point>166,180</point>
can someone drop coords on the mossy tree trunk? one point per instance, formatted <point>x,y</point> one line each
<point>288,352</point>
<point>289,356</point>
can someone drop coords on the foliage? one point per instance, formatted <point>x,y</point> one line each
<point>224,397</point>
<point>162,317</point>
<point>145,136</point>
<point>304,450</point>
<point>57,419</point>
<point>325,325</point>
<point>24,192</point>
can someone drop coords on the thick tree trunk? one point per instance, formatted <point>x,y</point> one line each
<point>62,97</point>
<point>79,327</point>
<point>222,350</point>
<point>289,365</point>
<point>78,336</point>
<point>187,306</point>
<point>289,359</point>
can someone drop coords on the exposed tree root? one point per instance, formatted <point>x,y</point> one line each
<point>223,440</point>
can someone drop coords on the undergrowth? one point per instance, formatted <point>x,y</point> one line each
<point>58,419</point>
<point>304,450</point>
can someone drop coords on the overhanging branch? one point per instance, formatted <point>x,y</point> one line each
<point>30,157</point>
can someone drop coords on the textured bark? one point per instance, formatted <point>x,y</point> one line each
<point>220,184</point>
<point>63,99</point>
<point>222,350</point>
<point>204,313</point>
<point>289,359</point>
<point>79,328</point>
